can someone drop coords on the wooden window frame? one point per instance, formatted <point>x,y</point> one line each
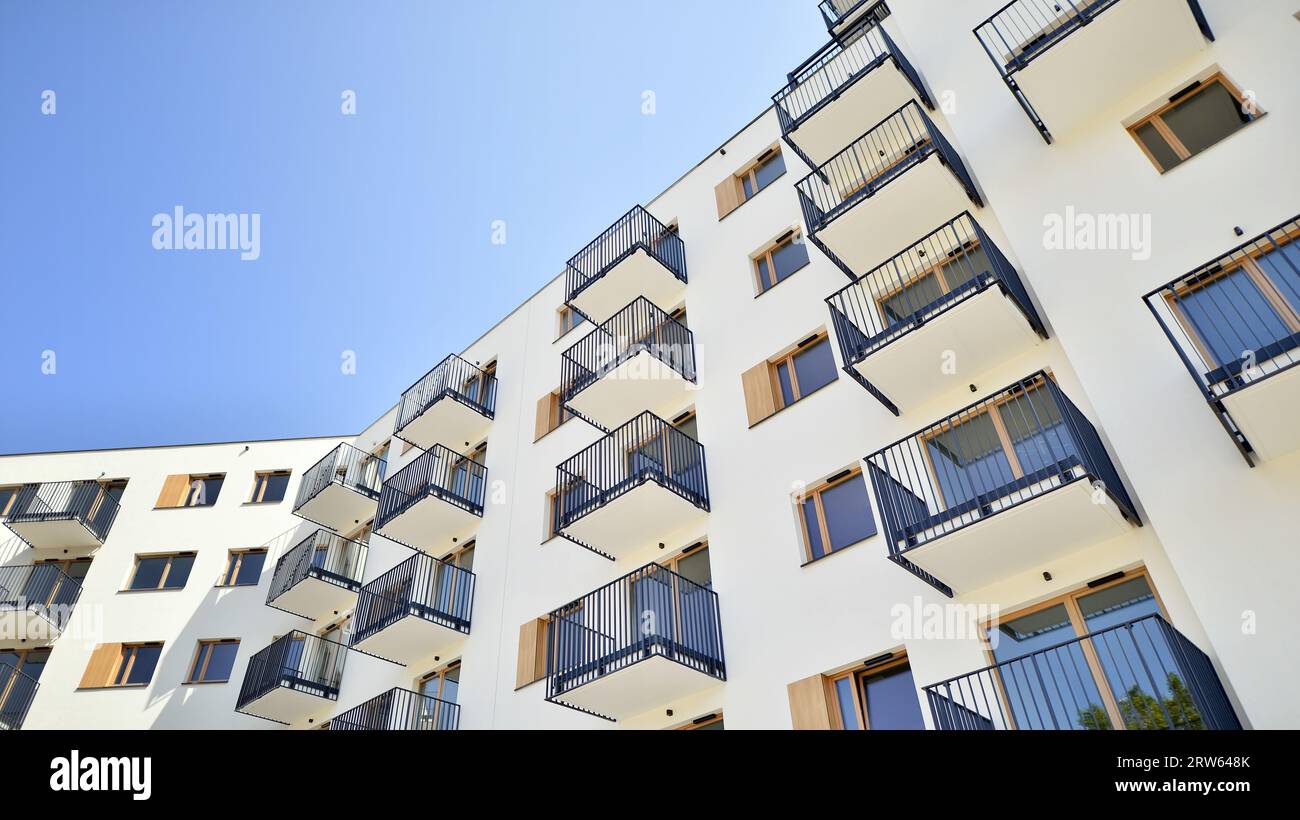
<point>787,359</point>
<point>197,680</point>
<point>259,486</point>
<point>934,268</point>
<point>9,503</point>
<point>750,172</point>
<point>562,314</point>
<point>856,674</point>
<point>823,528</point>
<point>126,662</point>
<point>765,255</point>
<point>440,674</point>
<point>167,571</point>
<point>235,562</point>
<point>1156,118</point>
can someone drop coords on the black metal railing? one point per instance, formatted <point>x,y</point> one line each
<point>89,503</point>
<point>299,661</point>
<point>421,586</point>
<point>647,448</point>
<point>399,710</point>
<point>346,466</point>
<point>452,378</point>
<point>933,275</point>
<point>439,472</point>
<point>41,588</point>
<point>650,612</point>
<point>1236,319</point>
<point>1002,451</point>
<point>635,230</point>
<point>17,690</point>
<point>902,140</point>
<point>323,555</point>
<point>835,12</point>
<point>820,79</point>
<point>641,326</point>
<point>1143,674</point>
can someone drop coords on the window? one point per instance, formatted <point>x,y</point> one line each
<point>567,318</point>
<point>243,568</point>
<point>878,694</point>
<point>781,259</point>
<point>778,383</point>
<point>269,487</point>
<point>121,665</point>
<point>7,496</point>
<point>705,723</point>
<point>551,413</point>
<point>835,514</point>
<point>161,571</point>
<point>1195,118</point>
<point>190,490</point>
<point>925,292</point>
<point>739,188</point>
<point>213,661</point>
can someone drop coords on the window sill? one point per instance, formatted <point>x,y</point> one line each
<point>783,281</point>
<point>566,333</point>
<point>203,682</point>
<point>261,503</point>
<point>235,586</point>
<point>145,591</point>
<point>844,548</point>
<point>195,507</point>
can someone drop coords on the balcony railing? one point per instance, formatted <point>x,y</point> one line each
<point>647,448</point>
<point>17,690</point>
<point>902,140</point>
<point>421,586</point>
<point>298,661</point>
<point>639,327</point>
<point>635,231</point>
<point>453,378</point>
<point>439,473</point>
<point>399,710</point>
<point>88,503</point>
<point>346,466</point>
<point>323,555</point>
<point>43,589</point>
<point>1143,674</point>
<point>1235,321</point>
<point>837,12</point>
<point>650,612</point>
<point>1010,448</point>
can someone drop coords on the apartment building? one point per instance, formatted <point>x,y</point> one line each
<point>955,391</point>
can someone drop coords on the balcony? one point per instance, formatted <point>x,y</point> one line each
<point>1143,674</point>
<point>644,641</point>
<point>1004,486</point>
<point>73,517</point>
<point>399,710</point>
<point>36,602</point>
<point>642,480</point>
<point>840,15</point>
<point>297,676</point>
<point>17,690</point>
<point>1072,57</point>
<point>434,499</point>
<point>453,405</point>
<point>901,178</point>
<point>953,290</point>
<point>418,608</point>
<point>1235,323</point>
<point>838,92</point>
<point>636,256</point>
<point>319,577</point>
<point>638,359</point>
<point>342,489</point>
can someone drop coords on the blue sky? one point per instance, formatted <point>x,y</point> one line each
<point>375,228</point>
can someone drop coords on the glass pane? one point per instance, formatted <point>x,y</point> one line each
<point>695,567</point>
<point>848,709</point>
<point>1156,144</point>
<point>689,427</point>
<point>770,170</point>
<point>815,548</point>
<point>1281,266</point>
<point>913,298</point>
<point>969,460</point>
<point>764,274</point>
<point>787,387</point>
<point>789,258</point>
<point>1206,117</point>
<point>148,573</point>
<point>222,661</point>
<point>966,266</point>
<point>146,658</point>
<point>1037,431</point>
<point>275,487</point>
<point>815,367</point>
<point>1046,686</point>
<point>891,700</point>
<point>848,513</point>
<point>250,567</point>
<point>1230,317</point>
<point>6,494</point>
<point>747,186</point>
<point>180,571</point>
<point>451,685</point>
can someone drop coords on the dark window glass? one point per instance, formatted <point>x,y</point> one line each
<point>787,387</point>
<point>695,567</point>
<point>1281,266</point>
<point>149,573</point>
<point>204,491</point>
<point>250,568</point>
<point>1206,117</point>
<point>146,658</point>
<point>221,662</point>
<point>180,571</point>
<point>789,258</point>
<point>275,486</point>
<point>914,296</point>
<point>34,663</point>
<point>848,513</point>
<point>891,701</point>
<point>965,266</point>
<point>969,460</point>
<point>1037,431</point>
<point>6,495</point>
<point>815,548</point>
<point>815,367</point>
<point>848,709</point>
<point>747,186</point>
<point>1230,316</point>
<point>771,168</point>
<point>1156,144</point>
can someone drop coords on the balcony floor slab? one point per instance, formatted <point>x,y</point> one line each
<point>862,105</point>
<point>339,508</point>
<point>430,523</point>
<point>314,598</point>
<point>451,423</point>
<point>653,682</point>
<point>410,638</point>
<point>643,382</point>
<point>637,518</point>
<point>1265,412</point>
<point>70,538</point>
<point>638,274</point>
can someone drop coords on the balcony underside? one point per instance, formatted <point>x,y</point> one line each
<point>853,16</point>
<point>290,703</point>
<point>642,382</point>
<point>637,274</point>
<point>71,538</point>
<point>1087,70</point>
<point>1265,412</point>
<point>635,519</point>
<point>430,523</point>
<point>314,597</point>
<point>26,625</point>
<point>339,508</point>
<point>1000,540</point>
<point>451,423</point>
<point>863,104</point>
<point>653,682</point>
<point>408,637</point>
<point>983,331</point>
<point>870,230</point>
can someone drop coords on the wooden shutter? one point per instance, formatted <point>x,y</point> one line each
<point>544,423</point>
<point>809,708</point>
<point>174,490</point>
<point>102,663</point>
<point>760,401</point>
<point>525,670</point>
<point>728,195</point>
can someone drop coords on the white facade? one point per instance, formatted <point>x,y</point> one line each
<point>1218,537</point>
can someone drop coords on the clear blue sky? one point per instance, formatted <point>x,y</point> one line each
<point>375,228</point>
